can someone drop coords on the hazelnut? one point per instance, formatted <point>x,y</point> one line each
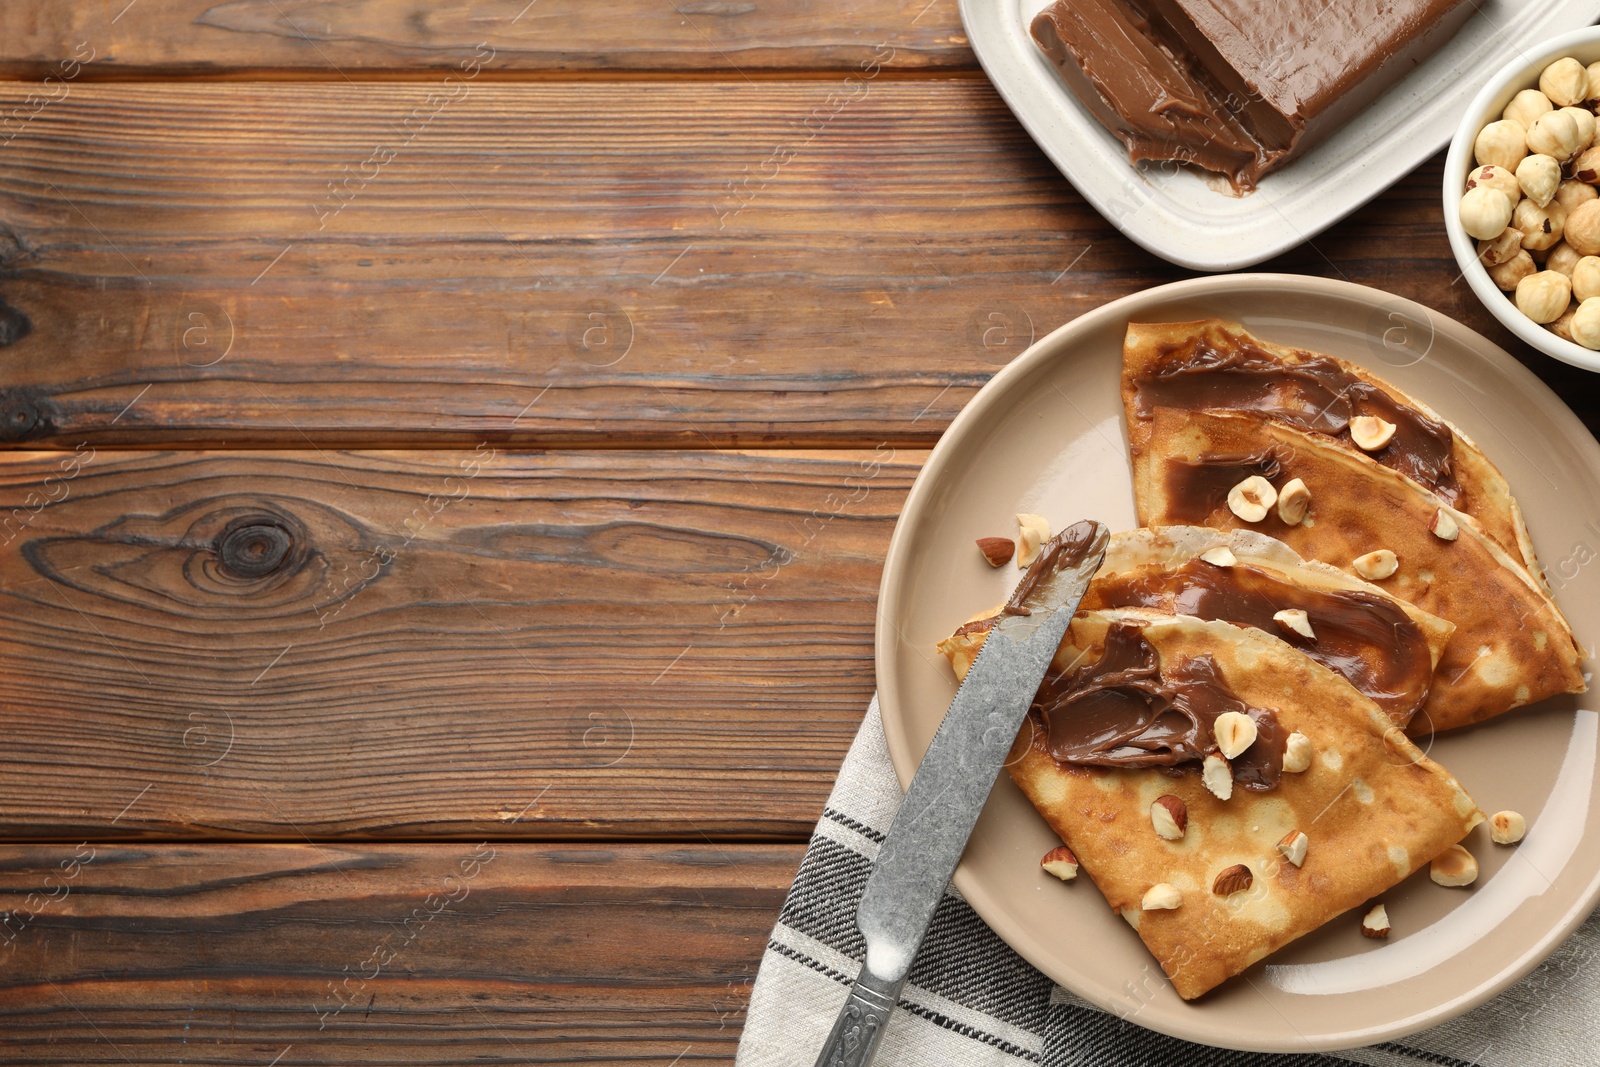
<point>1555,134</point>
<point>1586,168</point>
<point>1499,178</point>
<point>1562,327</point>
<point>1497,250</point>
<point>1585,120</point>
<point>1235,731</point>
<point>1585,324</point>
<point>1564,82</point>
<point>1217,776</point>
<point>1540,226</point>
<point>1539,177</point>
<point>1454,866</point>
<point>1235,879</point>
<point>1035,532</point>
<point>1443,525</point>
<point>1563,257</point>
<point>1507,827</point>
<point>1591,95</point>
<point>1370,433</point>
<point>1293,846</point>
<point>1502,144</point>
<point>1586,278</point>
<point>1251,498</point>
<point>1060,862</point>
<point>1571,192</point>
<point>1170,817</point>
<point>1376,566</point>
<point>1527,106</point>
<point>1297,753</point>
<point>1219,556</point>
<point>997,550</point>
<point>1297,620</point>
<point>1375,923</point>
<point>1485,212</point>
<point>1506,275</point>
<point>1294,499</point>
<point>1161,897</point>
<point>1585,228</point>
<point>1543,296</point>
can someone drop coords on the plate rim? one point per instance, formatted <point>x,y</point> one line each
<point>972,415</point>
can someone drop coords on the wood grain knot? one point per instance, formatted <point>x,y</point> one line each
<point>14,325</point>
<point>253,547</point>
<point>26,411</point>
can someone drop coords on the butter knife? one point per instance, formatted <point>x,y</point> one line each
<point>952,784</point>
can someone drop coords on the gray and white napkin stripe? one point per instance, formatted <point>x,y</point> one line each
<point>972,1001</point>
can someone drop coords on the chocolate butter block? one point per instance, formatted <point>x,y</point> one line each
<point>1153,103</point>
<point>1277,76</point>
<point>1314,63</point>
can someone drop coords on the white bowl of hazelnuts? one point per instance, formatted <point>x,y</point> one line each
<point>1522,197</point>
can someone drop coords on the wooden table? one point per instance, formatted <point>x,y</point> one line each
<point>451,451</point>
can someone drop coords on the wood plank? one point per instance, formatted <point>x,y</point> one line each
<point>533,237</point>
<point>409,645</point>
<point>414,38</point>
<point>559,265</point>
<point>437,954</point>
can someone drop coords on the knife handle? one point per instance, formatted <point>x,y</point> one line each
<point>861,1021</point>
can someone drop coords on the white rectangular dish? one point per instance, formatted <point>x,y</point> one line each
<point>1179,214</point>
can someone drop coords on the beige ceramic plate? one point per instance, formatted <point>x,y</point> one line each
<point>1046,436</point>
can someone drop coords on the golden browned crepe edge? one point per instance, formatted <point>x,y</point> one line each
<point>1488,493</point>
<point>1102,815</point>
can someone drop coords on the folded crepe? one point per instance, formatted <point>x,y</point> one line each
<point>1218,366</point>
<point>1385,647</point>
<point>1511,646</point>
<point>1126,716</point>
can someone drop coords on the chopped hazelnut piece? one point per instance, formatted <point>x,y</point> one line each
<point>1294,846</point>
<point>1251,498</point>
<point>997,550</point>
<point>1297,620</point>
<point>1060,862</point>
<point>1161,897</point>
<point>1170,817</point>
<point>1454,867</point>
<point>1376,566</point>
<point>1507,827</point>
<point>1035,532</point>
<point>1297,753</point>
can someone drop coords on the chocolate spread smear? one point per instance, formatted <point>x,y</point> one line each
<point>1220,372</point>
<point>1126,710</point>
<point>1196,488</point>
<point>1366,638</point>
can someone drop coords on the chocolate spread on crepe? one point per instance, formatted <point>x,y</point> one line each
<point>1219,371</point>
<point>1216,366</point>
<point>1383,647</point>
<point>1238,86</point>
<point>1123,710</point>
<point>1373,806</point>
<point>1511,645</point>
<point>1367,639</point>
<point>1200,486</point>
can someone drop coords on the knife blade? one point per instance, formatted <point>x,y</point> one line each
<point>952,784</point>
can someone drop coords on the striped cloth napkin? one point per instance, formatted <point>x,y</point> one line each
<point>971,1001</point>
